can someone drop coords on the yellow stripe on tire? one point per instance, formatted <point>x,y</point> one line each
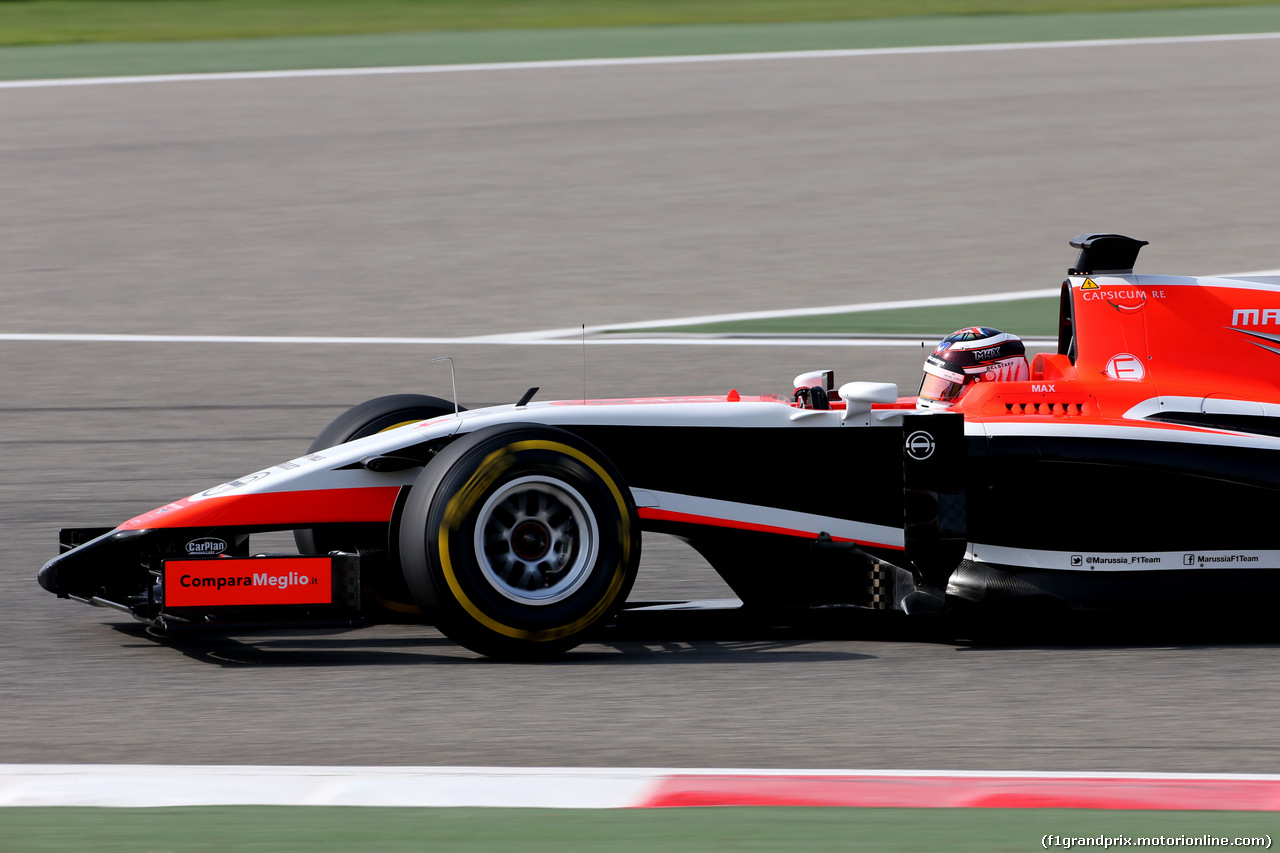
<point>461,503</point>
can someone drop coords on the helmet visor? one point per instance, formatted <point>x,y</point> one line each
<point>939,388</point>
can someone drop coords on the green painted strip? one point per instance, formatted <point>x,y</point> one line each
<point>67,21</point>
<point>389,830</point>
<point>1026,317</point>
<point>429,48</point>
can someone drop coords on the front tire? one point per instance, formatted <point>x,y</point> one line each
<point>382,578</point>
<point>519,540</point>
<point>379,415</point>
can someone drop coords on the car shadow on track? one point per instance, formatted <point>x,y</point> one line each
<point>779,650</point>
<point>302,648</point>
<point>721,637</point>
<point>967,631</point>
<point>1116,630</point>
<point>1028,625</point>
<point>653,639</point>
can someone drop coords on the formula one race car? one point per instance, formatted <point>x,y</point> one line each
<point>1136,467</point>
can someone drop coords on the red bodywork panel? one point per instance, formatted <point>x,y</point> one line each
<point>1139,342</point>
<point>316,506</point>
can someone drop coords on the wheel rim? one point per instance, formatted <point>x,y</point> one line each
<point>536,540</point>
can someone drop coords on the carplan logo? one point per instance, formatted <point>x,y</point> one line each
<point>920,445</point>
<point>207,545</point>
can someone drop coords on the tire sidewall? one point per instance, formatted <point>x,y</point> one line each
<point>438,539</point>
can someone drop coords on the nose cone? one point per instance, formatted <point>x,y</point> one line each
<point>100,558</point>
<point>48,577</point>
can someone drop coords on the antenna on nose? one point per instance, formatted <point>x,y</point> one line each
<point>452,378</point>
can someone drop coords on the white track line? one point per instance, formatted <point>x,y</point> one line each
<point>141,786</point>
<point>1012,296</point>
<point>230,339</point>
<point>574,336</point>
<point>507,340</point>
<point>592,335</point>
<point>633,60</point>
<point>145,786</point>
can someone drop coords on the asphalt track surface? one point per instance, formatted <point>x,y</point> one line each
<point>504,202</point>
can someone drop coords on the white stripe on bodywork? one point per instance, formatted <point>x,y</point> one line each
<point>1172,434</point>
<point>326,469</point>
<point>763,516</point>
<point>1123,561</point>
<point>1202,405</point>
<point>711,413</point>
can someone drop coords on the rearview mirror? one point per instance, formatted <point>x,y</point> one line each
<point>860,396</point>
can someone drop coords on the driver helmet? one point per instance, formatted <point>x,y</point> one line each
<point>966,356</point>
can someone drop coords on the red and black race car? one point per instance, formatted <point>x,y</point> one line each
<point>1136,467</point>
